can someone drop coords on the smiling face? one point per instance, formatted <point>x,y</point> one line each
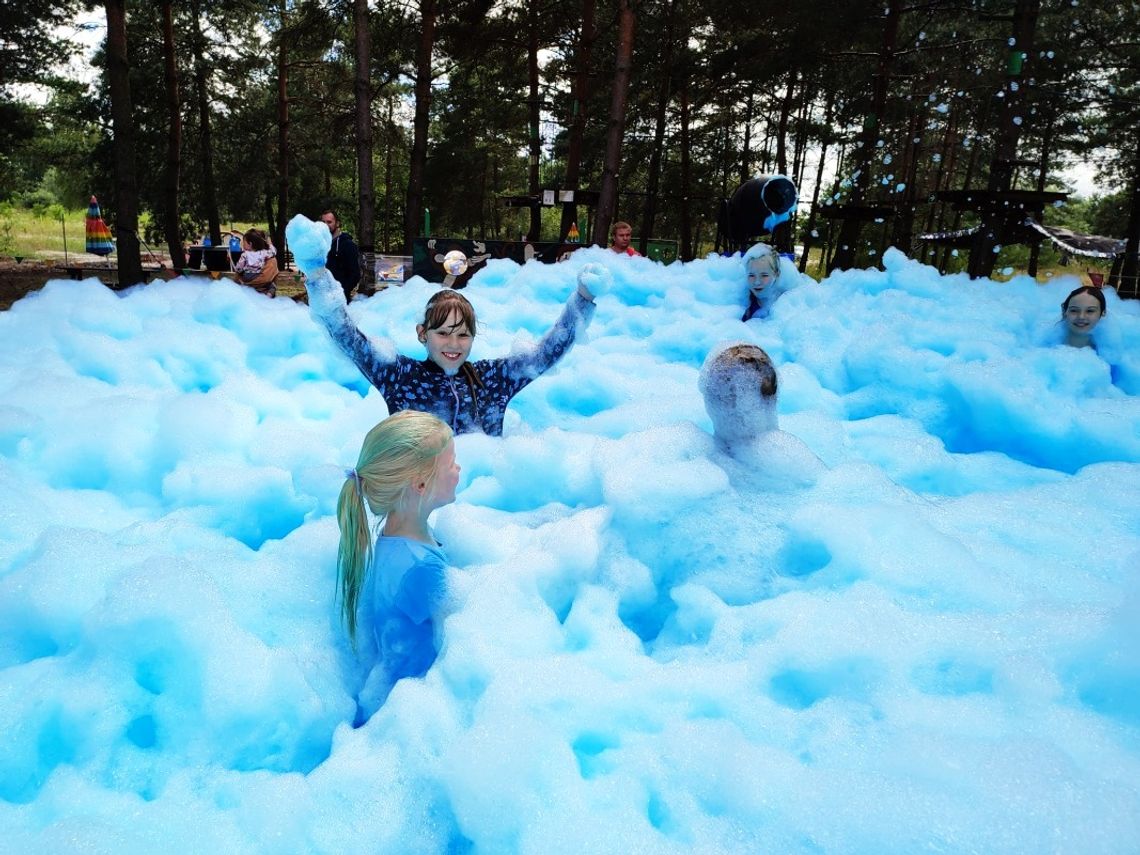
<point>1082,313</point>
<point>449,344</point>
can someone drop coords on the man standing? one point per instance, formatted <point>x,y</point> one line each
<point>622,235</point>
<point>344,258</point>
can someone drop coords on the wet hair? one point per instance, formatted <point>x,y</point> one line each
<point>400,451</point>
<point>1086,289</point>
<point>440,306</point>
<point>738,383</point>
<point>762,251</point>
<point>748,356</point>
<point>436,313</point>
<point>257,239</point>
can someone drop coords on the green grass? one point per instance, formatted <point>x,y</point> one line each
<point>24,234</point>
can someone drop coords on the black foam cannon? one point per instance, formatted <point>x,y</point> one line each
<point>758,206</point>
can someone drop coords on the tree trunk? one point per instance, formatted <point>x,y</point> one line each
<point>782,125</point>
<point>653,179</point>
<point>607,198</point>
<point>122,124</point>
<point>282,132</point>
<point>782,238</point>
<point>902,229</point>
<point>746,148</point>
<point>533,108</point>
<point>1046,144</point>
<point>1128,284</point>
<point>418,164</point>
<point>686,176</point>
<point>971,165</point>
<point>388,191</point>
<point>366,225</point>
<point>581,94</point>
<point>171,224</point>
<point>810,228</point>
<point>799,159</point>
<point>983,251</point>
<point>209,188</point>
<point>847,243</point>
<point>829,241</point>
<point>270,216</point>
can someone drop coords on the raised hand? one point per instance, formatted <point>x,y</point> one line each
<point>594,280</point>
<point>309,242</point>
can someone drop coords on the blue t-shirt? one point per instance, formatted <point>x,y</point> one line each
<point>407,588</point>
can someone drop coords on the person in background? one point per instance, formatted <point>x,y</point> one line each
<point>396,587</point>
<point>623,233</point>
<point>343,261</point>
<point>256,251</point>
<point>471,397</point>
<point>762,270</point>
<point>1080,313</point>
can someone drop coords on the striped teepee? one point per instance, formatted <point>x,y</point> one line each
<point>98,235</point>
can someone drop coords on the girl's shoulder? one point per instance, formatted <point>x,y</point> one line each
<point>406,552</point>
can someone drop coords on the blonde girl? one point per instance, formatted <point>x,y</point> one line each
<point>397,584</point>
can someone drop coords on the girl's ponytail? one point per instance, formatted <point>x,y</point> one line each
<point>355,554</point>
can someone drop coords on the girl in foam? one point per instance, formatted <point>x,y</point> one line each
<point>1086,323</point>
<point>762,268</point>
<point>1080,314</point>
<point>470,396</point>
<point>396,587</point>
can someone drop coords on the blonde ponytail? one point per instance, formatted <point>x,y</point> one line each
<point>400,450</point>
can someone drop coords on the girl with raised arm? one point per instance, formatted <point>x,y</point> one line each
<point>469,396</point>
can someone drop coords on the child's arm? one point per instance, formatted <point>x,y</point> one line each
<point>310,244</point>
<point>593,280</point>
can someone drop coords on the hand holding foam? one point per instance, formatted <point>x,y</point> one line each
<point>594,280</point>
<point>309,242</point>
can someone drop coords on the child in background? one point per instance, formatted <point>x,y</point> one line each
<point>472,397</point>
<point>396,587</point>
<point>762,269</point>
<point>256,250</point>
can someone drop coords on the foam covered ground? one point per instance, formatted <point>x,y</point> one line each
<point>907,623</point>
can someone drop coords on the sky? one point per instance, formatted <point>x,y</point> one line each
<point>904,621</point>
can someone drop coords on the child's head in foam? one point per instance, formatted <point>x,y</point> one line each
<point>739,386</point>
